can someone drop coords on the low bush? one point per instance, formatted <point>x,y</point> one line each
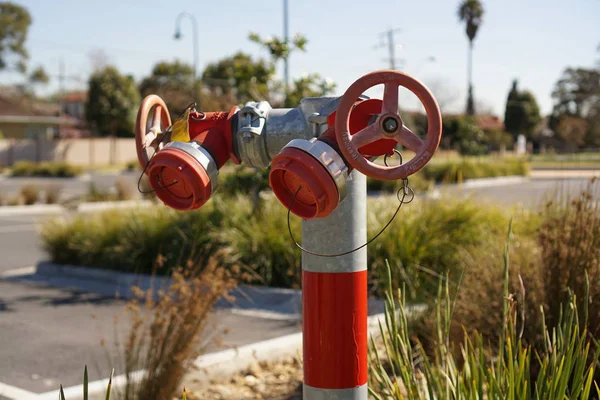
<point>45,169</point>
<point>454,171</point>
<point>426,239</point>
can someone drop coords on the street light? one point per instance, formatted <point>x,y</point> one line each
<point>195,38</point>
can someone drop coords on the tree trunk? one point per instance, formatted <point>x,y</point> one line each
<point>470,99</point>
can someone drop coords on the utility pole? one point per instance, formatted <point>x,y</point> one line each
<point>61,93</point>
<point>387,39</point>
<point>286,70</point>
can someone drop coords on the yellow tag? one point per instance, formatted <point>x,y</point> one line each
<point>180,128</point>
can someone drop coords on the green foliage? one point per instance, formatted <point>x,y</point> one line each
<point>311,85</point>
<point>45,169</point>
<point>522,113</point>
<point>453,171</point>
<point>173,82</point>
<point>577,96</point>
<point>277,47</point>
<point>471,13</point>
<point>423,237</point>
<point>239,75</point>
<point>464,134</point>
<point>428,239</point>
<point>39,75</point>
<point>14,25</point>
<point>113,100</point>
<point>243,180</point>
<point>401,368</point>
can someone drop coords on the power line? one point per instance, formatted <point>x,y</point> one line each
<point>387,39</point>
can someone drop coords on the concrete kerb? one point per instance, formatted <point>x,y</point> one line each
<point>82,207</point>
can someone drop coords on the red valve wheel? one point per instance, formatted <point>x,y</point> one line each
<point>388,125</point>
<point>161,120</point>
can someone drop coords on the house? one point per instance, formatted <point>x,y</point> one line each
<point>24,117</point>
<point>73,104</point>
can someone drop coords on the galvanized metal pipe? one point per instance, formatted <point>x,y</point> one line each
<point>334,300</point>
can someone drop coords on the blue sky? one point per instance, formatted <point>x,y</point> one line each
<point>532,40</point>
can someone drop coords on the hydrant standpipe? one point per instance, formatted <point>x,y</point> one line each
<point>318,154</point>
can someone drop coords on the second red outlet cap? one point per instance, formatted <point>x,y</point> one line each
<point>301,182</point>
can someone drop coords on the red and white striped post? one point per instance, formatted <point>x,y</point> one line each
<point>334,300</point>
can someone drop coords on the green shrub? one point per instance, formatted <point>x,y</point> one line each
<point>45,169</point>
<point>453,171</point>
<point>243,180</point>
<point>425,240</point>
<point>30,194</point>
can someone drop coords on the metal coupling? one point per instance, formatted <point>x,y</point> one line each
<point>251,136</point>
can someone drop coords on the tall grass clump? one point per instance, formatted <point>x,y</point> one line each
<point>428,239</point>
<point>30,194</point>
<point>551,257</point>
<point>456,171</point>
<point>169,331</point>
<point>569,239</point>
<point>401,368</point>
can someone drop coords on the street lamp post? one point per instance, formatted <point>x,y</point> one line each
<point>195,40</point>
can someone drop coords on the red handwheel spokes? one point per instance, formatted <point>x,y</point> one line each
<point>388,125</point>
<point>144,136</point>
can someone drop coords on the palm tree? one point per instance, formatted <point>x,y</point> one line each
<point>471,12</point>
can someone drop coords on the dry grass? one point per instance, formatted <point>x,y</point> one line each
<point>30,194</point>
<point>167,330</point>
<point>52,194</point>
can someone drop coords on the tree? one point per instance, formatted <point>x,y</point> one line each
<point>308,86</point>
<point>14,24</point>
<point>571,130</point>
<point>577,94</point>
<point>39,75</point>
<point>172,81</point>
<point>113,100</point>
<point>241,76</point>
<point>471,13</point>
<point>522,113</point>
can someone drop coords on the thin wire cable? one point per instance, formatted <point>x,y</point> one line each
<point>144,172</point>
<point>405,189</point>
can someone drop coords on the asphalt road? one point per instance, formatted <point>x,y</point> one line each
<point>69,187</point>
<point>529,194</point>
<point>47,335</point>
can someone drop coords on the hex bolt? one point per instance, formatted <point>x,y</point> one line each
<point>390,125</point>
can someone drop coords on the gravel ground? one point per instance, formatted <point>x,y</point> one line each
<point>268,381</point>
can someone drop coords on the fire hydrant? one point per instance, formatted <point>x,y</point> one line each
<point>311,150</point>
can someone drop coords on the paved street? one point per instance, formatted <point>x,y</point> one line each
<point>531,193</point>
<point>69,187</point>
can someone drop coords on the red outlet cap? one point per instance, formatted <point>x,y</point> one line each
<point>295,171</point>
<point>179,180</point>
